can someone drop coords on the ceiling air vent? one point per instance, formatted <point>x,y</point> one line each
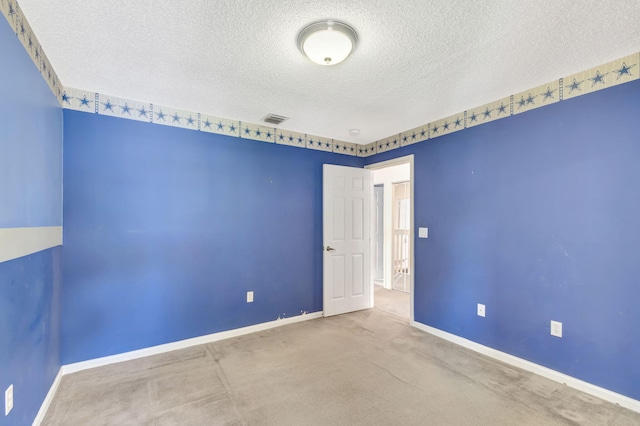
<point>274,119</point>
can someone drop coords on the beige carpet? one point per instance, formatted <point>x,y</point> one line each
<point>364,368</point>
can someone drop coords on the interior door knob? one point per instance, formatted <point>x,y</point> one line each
<point>329,248</point>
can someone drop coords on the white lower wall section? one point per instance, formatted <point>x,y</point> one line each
<point>18,242</point>
<point>548,373</point>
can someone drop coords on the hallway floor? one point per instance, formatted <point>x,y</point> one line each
<point>392,301</point>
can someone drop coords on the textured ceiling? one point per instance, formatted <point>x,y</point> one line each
<point>417,60</point>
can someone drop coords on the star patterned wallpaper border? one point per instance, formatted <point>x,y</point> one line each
<point>601,77</point>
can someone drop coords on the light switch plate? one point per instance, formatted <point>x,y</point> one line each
<point>249,296</point>
<point>423,232</point>
<point>481,310</point>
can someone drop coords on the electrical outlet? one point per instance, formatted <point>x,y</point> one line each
<point>8,400</point>
<point>556,328</point>
<point>480,310</point>
<point>249,296</point>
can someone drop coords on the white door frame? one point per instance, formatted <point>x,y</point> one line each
<point>394,162</point>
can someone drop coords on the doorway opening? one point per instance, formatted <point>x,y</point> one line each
<point>392,237</point>
<point>378,234</point>
<point>400,232</point>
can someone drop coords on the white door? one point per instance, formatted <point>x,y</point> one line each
<point>346,209</point>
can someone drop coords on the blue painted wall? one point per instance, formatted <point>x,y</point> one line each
<point>31,141</point>
<point>536,216</point>
<point>30,195</point>
<point>166,230</point>
<point>29,331</point>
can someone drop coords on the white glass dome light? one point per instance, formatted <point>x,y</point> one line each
<point>327,42</point>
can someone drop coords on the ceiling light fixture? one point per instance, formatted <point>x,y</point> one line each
<point>327,42</point>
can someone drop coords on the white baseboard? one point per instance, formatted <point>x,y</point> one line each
<point>47,400</point>
<point>548,373</point>
<point>167,347</point>
<point>154,350</point>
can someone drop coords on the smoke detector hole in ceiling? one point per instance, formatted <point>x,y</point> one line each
<point>327,42</point>
<point>274,119</point>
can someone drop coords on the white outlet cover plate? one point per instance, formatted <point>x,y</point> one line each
<point>8,400</point>
<point>556,328</point>
<point>481,310</point>
<point>249,296</point>
<point>423,232</point>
